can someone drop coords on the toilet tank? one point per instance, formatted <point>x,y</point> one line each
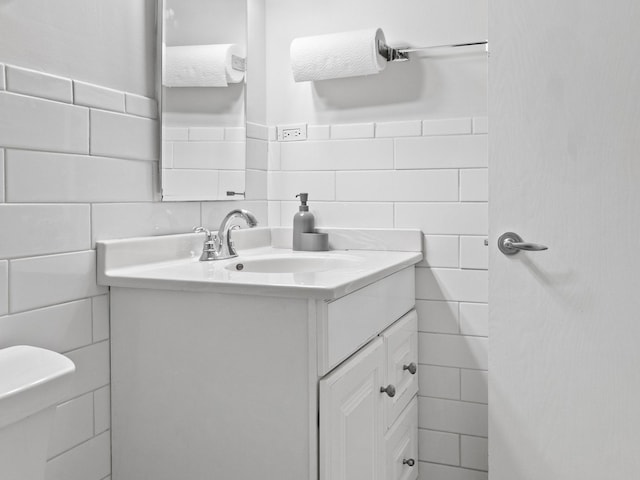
<point>32,382</point>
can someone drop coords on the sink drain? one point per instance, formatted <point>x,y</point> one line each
<point>239,266</point>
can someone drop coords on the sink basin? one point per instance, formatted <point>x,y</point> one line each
<point>295,263</point>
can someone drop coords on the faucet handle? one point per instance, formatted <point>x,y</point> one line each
<point>202,229</point>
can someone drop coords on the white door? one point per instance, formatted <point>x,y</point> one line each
<point>564,348</point>
<point>352,418</point>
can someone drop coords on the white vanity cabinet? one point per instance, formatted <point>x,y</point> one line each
<point>216,375</point>
<point>366,434</point>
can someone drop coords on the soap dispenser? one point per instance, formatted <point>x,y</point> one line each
<point>303,221</point>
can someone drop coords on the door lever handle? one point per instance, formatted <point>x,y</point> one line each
<point>511,243</point>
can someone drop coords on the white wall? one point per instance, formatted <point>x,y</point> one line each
<point>450,87</point>
<point>408,149</point>
<point>106,43</point>
<point>78,162</point>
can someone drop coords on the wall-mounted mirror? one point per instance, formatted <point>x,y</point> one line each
<point>202,52</point>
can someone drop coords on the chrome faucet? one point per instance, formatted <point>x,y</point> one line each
<point>220,246</point>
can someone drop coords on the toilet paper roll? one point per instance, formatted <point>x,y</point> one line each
<point>201,66</point>
<point>337,55</point>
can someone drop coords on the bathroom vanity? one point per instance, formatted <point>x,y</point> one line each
<point>272,365</point>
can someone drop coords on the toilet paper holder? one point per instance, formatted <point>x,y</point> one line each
<point>401,54</point>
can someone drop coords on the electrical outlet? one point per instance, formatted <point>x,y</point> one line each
<point>292,133</point>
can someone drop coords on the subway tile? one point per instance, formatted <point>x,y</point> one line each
<point>235,134</point>
<point>121,220</point>
<point>72,425</point>
<point>59,328</point>
<point>102,409</point>
<point>167,155</point>
<point>374,154</point>
<point>214,212</point>
<point>175,134</point>
<point>39,84</point>
<point>3,85</point>
<point>141,106</point>
<point>54,177</point>
<point>439,382</point>
<point>41,281</point>
<point>273,156</point>
<point>439,447</point>
<point>474,254</point>
<point>100,317</point>
<point>474,185</point>
<point>209,155</point>
<point>256,184</point>
<point>398,185</point>
<point>43,229</point>
<point>231,181</point>
<point>343,214</point>
<point>451,151</point>
<point>446,126</point>
<point>38,124</point>
<point>481,125</point>
<point>451,284</point>
<point>92,369</point>
<point>444,218</point>
<point>206,134</point>
<point>474,452</point>
<point>474,319</point>
<point>89,461</point>
<point>4,287</point>
<point>441,251</point>
<point>257,132</point>
<point>453,350</point>
<point>399,129</point>
<point>123,136</point>
<point>452,416</point>
<point>2,180</point>
<point>286,185</point>
<point>474,386</point>
<point>257,154</point>
<point>318,132</point>
<point>273,133</point>
<point>181,185</point>
<point>273,213</point>
<point>98,97</point>
<point>430,471</point>
<point>352,130</point>
<point>437,316</point>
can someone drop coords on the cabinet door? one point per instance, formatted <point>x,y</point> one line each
<point>401,341</point>
<point>401,445</point>
<point>352,418</point>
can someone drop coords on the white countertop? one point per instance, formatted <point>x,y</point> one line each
<point>172,263</point>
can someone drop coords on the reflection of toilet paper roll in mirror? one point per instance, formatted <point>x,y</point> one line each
<point>203,65</point>
<point>337,55</point>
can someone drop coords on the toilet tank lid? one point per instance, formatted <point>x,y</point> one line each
<point>24,368</point>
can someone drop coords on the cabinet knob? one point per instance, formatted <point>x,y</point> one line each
<point>411,462</point>
<point>411,367</point>
<point>389,390</point>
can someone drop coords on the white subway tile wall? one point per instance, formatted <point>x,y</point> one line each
<point>38,84</point>
<point>98,97</point>
<point>426,174</point>
<point>60,191</point>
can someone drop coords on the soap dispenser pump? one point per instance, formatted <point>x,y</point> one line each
<point>303,221</point>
